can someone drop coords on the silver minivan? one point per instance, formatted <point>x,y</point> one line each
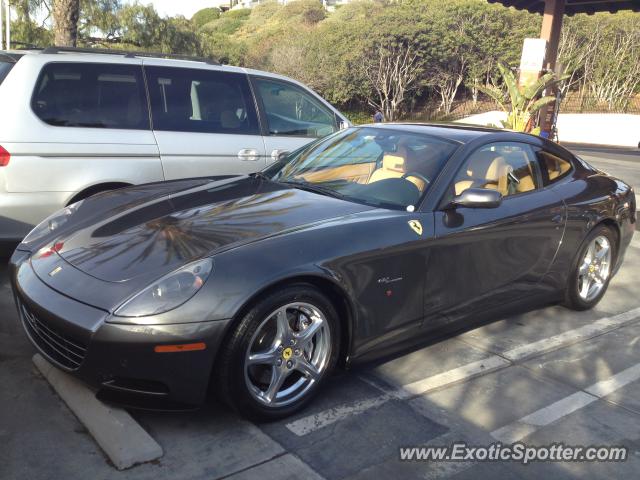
<point>77,122</point>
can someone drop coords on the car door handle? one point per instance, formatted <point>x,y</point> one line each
<point>277,154</point>
<point>249,154</point>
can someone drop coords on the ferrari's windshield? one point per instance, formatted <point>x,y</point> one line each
<point>377,166</point>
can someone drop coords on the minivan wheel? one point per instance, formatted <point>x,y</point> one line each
<point>279,354</point>
<point>592,270</point>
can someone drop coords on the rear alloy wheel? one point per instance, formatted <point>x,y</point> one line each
<point>280,353</point>
<point>592,272</point>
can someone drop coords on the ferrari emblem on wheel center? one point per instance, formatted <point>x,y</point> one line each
<point>286,353</point>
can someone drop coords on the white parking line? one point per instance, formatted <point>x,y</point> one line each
<point>310,423</point>
<point>545,416</point>
<point>464,372</point>
<point>572,336</point>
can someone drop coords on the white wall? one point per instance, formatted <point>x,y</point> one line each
<point>595,128</point>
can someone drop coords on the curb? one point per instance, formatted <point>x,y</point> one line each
<point>121,438</point>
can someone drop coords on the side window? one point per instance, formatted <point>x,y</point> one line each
<point>292,111</point>
<point>509,167</point>
<point>553,166</point>
<point>203,101</point>
<point>96,95</point>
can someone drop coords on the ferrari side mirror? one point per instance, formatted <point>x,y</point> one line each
<point>478,198</point>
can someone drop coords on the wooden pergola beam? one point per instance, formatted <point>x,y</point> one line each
<point>553,12</point>
<point>574,6</point>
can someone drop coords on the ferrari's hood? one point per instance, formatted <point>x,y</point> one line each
<point>150,238</point>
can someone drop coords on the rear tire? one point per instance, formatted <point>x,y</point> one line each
<point>279,354</point>
<point>592,269</point>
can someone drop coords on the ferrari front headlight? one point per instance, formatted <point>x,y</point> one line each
<point>169,292</point>
<point>51,223</point>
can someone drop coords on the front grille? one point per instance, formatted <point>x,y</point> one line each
<point>59,348</point>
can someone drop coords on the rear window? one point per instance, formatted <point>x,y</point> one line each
<point>554,167</point>
<point>91,95</point>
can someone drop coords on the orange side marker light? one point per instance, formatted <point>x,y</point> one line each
<point>185,347</point>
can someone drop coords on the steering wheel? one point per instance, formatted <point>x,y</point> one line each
<point>417,175</point>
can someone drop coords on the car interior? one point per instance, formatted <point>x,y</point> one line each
<point>383,169</point>
<point>203,106</point>
<point>107,101</point>
<point>507,170</point>
<point>556,167</point>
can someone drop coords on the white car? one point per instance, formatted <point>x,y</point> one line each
<point>77,122</point>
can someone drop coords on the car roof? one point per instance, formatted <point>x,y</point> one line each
<point>72,54</point>
<point>455,132</point>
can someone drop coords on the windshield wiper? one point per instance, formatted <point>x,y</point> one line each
<point>313,187</point>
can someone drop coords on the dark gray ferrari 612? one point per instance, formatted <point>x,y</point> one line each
<point>367,241</point>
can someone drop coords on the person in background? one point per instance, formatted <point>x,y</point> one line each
<point>378,117</point>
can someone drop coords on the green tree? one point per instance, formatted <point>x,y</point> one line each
<point>520,104</point>
<point>204,16</point>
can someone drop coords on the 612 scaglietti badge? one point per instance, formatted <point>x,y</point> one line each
<point>369,240</point>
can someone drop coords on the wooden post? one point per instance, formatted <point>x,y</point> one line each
<point>1,29</point>
<point>551,27</point>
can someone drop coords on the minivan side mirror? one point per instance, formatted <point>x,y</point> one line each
<point>478,198</point>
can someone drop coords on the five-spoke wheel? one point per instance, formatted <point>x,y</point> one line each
<point>287,354</point>
<point>593,269</point>
<point>279,353</point>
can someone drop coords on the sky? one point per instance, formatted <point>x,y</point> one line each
<point>177,7</point>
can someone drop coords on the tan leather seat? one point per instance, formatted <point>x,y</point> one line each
<point>394,165</point>
<point>556,166</point>
<point>521,169</point>
<point>485,170</point>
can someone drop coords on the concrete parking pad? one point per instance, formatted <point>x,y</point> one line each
<point>356,442</point>
<point>587,363</point>
<point>499,398</point>
<point>427,369</point>
<point>427,362</point>
<point>209,443</point>
<point>123,440</point>
<point>285,467</point>
<point>597,424</point>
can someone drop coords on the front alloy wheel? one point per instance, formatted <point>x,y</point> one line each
<point>279,353</point>
<point>287,354</point>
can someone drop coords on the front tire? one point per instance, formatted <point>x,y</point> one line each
<point>592,269</point>
<point>279,354</point>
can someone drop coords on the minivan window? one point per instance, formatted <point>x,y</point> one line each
<point>292,111</point>
<point>96,95</point>
<point>204,101</point>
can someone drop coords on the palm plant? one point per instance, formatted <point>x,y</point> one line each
<point>520,104</point>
